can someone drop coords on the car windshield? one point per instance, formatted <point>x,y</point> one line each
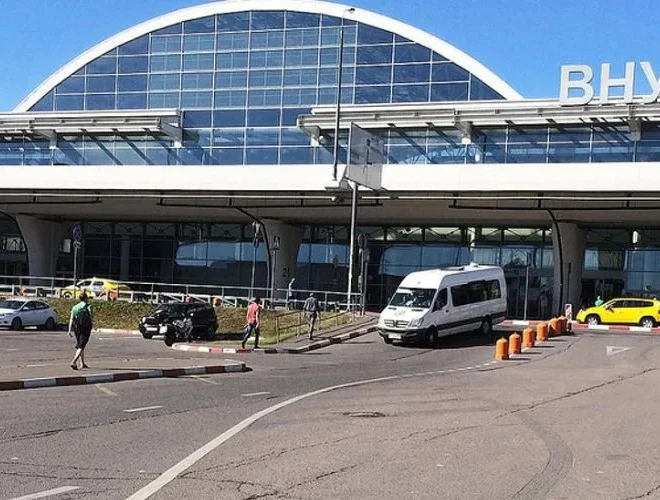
<point>413,297</point>
<point>14,305</point>
<point>172,308</point>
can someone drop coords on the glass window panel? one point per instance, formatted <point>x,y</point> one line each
<point>263,118</point>
<point>302,20</point>
<point>412,73</point>
<point>266,78</point>
<point>290,115</point>
<point>69,103</point>
<point>611,134</point>
<point>132,101</point>
<point>130,156</point>
<point>568,153</point>
<point>161,44</point>
<point>193,62</point>
<point>525,153</point>
<point>376,54</point>
<point>296,156</point>
<point>102,66</point>
<point>373,75</point>
<point>262,136</point>
<point>267,20</point>
<point>372,94</point>
<point>648,151</point>
<point>439,136</point>
<point>449,92</point>
<point>199,43</point>
<point>95,155</point>
<point>164,100</point>
<point>530,135</point>
<point>294,137</point>
<point>493,153</point>
<point>135,47</point>
<point>229,137</point>
<point>407,154</point>
<point>230,98</point>
<point>448,72</point>
<point>266,59</point>
<point>327,95</point>
<point>233,41</point>
<point>166,63</point>
<point>449,153</point>
<point>570,134</point>
<point>299,96</point>
<point>267,40</point>
<point>331,36</point>
<point>100,101</point>
<point>197,81</point>
<point>438,57</point>
<point>72,85</point>
<point>370,35</point>
<point>227,156</point>
<point>479,91</point>
<point>101,83</point>
<point>231,118</point>
<point>347,76</point>
<point>231,79</point>
<point>302,38</point>
<point>238,21</point>
<point>134,64</point>
<point>300,77</point>
<point>203,25</point>
<point>232,60</point>
<point>45,104</point>
<point>492,135</point>
<point>264,97</point>
<point>410,93</point>
<point>332,20</point>
<point>330,56</point>
<point>165,82</point>
<point>161,156</point>
<point>170,30</point>
<point>196,99</point>
<point>603,152</point>
<point>132,83</point>
<point>301,57</point>
<point>411,53</point>
<point>405,137</point>
<point>261,156</point>
<point>328,76</point>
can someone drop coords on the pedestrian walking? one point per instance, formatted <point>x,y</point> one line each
<point>289,294</point>
<point>80,322</point>
<point>312,311</point>
<point>253,322</point>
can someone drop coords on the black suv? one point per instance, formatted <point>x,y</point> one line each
<point>204,320</point>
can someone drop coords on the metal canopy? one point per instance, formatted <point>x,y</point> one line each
<point>465,115</point>
<point>52,124</point>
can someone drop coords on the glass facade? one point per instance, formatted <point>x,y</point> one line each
<point>242,80</point>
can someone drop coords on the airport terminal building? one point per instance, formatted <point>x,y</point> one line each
<point>166,142</point>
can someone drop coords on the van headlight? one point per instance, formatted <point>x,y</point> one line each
<point>416,322</point>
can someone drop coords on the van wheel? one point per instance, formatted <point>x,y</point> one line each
<point>431,337</point>
<point>486,328</point>
<point>592,319</point>
<point>387,340</point>
<point>647,322</point>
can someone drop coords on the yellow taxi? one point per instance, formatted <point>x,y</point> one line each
<point>626,311</point>
<point>95,288</point>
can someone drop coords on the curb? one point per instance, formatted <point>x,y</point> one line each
<point>276,350</point>
<point>575,326</point>
<point>104,378</point>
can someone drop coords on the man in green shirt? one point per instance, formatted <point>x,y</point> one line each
<point>81,323</point>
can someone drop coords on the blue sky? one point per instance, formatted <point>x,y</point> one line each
<point>523,41</point>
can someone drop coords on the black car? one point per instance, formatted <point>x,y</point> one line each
<point>204,319</point>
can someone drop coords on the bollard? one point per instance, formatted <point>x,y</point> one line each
<point>514,343</point>
<point>541,332</point>
<point>553,328</point>
<point>528,338</point>
<point>563,325</point>
<point>502,349</point>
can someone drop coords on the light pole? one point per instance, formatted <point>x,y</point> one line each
<point>338,110</point>
<point>255,244</point>
<point>275,246</point>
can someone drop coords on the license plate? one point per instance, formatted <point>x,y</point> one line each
<point>163,329</point>
<point>394,336</point>
<point>152,328</point>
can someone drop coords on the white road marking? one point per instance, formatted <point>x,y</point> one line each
<point>49,493</point>
<point>43,364</point>
<point>146,408</point>
<point>249,395</point>
<point>105,390</point>
<point>612,349</point>
<point>202,379</point>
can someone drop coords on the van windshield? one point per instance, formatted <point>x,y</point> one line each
<point>413,297</point>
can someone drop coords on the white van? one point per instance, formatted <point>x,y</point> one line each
<point>440,302</point>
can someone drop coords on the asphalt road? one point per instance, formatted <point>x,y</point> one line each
<point>564,421</point>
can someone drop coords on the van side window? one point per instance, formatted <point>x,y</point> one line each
<point>475,291</point>
<point>441,300</point>
<point>460,295</point>
<point>494,291</point>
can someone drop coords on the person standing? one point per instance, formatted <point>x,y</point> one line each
<point>599,301</point>
<point>312,310</point>
<point>81,323</point>
<point>253,321</point>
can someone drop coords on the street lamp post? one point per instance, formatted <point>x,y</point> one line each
<point>255,244</point>
<point>338,110</point>
<point>275,246</point>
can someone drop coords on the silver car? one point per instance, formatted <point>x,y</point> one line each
<point>18,313</point>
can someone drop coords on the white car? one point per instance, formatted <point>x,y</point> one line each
<point>18,313</point>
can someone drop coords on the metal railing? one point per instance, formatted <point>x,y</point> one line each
<point>302,321</point>
<point>156,293</point>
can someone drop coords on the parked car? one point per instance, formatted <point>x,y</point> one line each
<point>94,287</point>
<point>202,315</point>
<point>626,311</point>
<point>18,313</point>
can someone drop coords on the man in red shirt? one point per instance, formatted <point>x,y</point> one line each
<point>253,320</point>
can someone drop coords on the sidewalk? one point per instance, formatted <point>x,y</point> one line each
<point>106,370</point>
<point>293,345</point>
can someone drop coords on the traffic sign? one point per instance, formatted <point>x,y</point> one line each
<point>276,242</point>
<point>77,233</point>
<point>568,311</point>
